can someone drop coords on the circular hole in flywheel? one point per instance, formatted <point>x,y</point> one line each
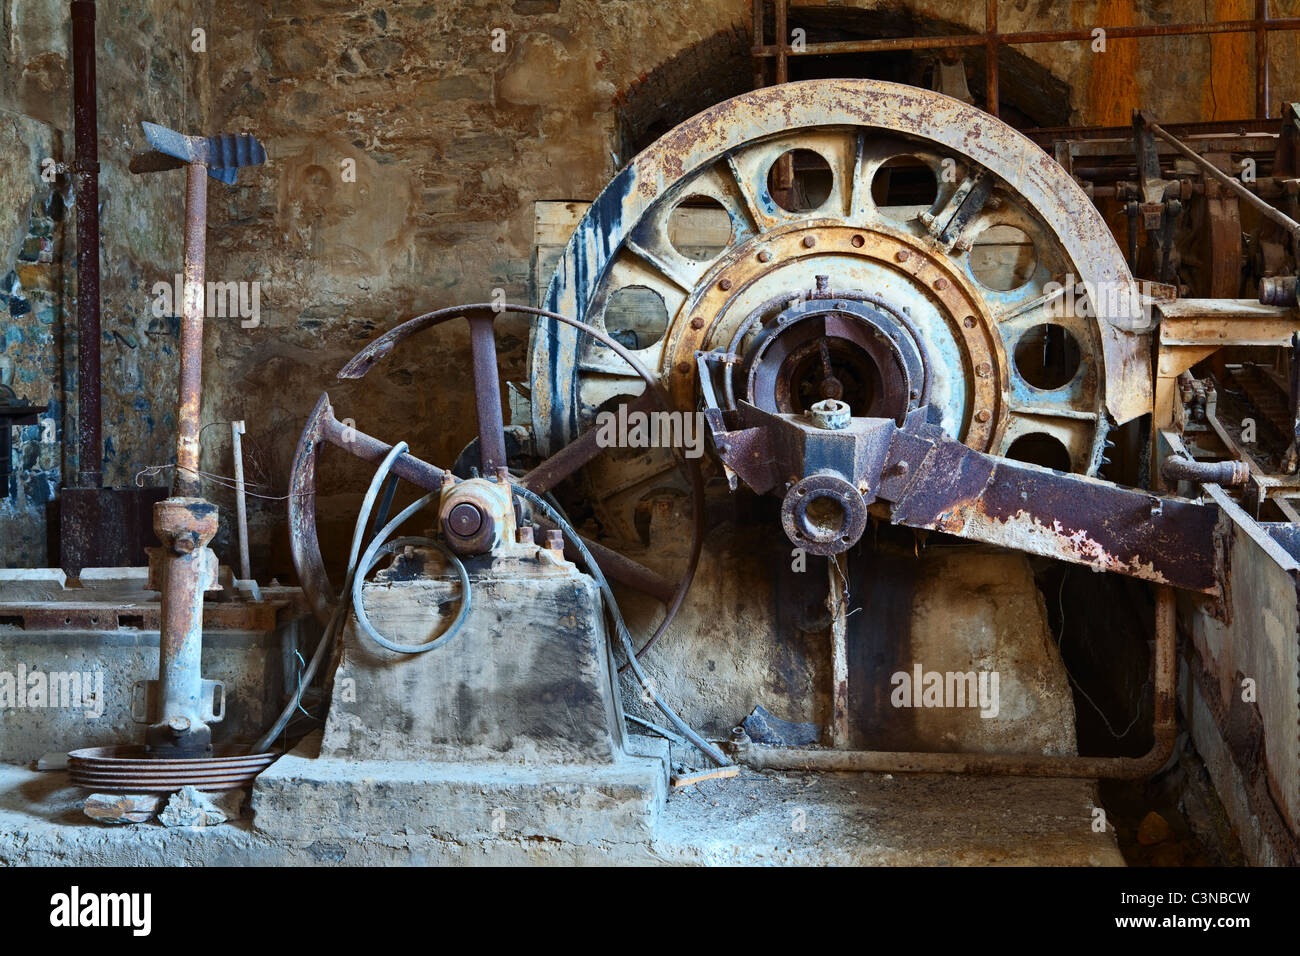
<point>1003,258</point>
<point>904,186</point>
<point>636,317</point>
<point>1040,448</point>
<point>1047,356</point>
<point>800,180</point>
<point>700,228</point>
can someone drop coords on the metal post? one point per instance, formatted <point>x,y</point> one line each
<point>241,508</point>
<point>184,569</point>
<point>991,56</point>
<point>837,604</point>
<point>86,169</point>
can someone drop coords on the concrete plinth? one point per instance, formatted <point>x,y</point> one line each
<point>466,803</point>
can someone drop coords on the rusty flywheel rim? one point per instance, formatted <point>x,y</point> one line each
<point>723,153</point>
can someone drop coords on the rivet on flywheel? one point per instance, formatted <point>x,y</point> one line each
<point>809,241</point>
<point>941,283</point>
<point>969,321</point>
<point>724,284</point>
<point>984,370</point>
<point>858,242</point>
<point>765,256</point>
<point>697,323</point>
<point>902,255</point>
<point>982,416</point>
<point>683,367</point>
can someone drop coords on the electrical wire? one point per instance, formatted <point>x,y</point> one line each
<point>625,638</point>
<point>340,609</point>
<point>379,546</point>
<point>360,564</point>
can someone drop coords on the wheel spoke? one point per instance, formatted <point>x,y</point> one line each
<point>487,395</point>
<point>367,448</point>
<point>577,453</point>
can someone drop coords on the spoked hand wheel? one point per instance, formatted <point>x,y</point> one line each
<point>466,531</point>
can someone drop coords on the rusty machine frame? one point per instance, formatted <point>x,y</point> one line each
<point>852,360</point>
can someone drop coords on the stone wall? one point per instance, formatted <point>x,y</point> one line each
<point>145,71</point>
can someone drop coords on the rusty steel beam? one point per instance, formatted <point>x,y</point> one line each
<point>941,485</point>
<point>937,42</point>
<point>1164,731</point>
<point>131,617</point>
<point>86,169</point>
<point>991,56</point>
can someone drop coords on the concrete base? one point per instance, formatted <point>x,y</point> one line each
<point>753,819</point>
<point>468,803</point>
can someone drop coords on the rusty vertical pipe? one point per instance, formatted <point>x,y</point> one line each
<point>781,38</point>
<point>186,484</point>
<point>188,569</point>
<point>782,41</point>
<point>184,568</point>
<point>86,171</point>
<point>991,93</point>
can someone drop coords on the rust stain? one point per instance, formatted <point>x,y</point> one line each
<point>1228,91</point>
<point>1113,92</point>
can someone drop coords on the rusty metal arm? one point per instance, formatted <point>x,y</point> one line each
<point>926,479</point>
<point>936,483</point>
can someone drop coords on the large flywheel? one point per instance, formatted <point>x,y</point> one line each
<point>957,266</point>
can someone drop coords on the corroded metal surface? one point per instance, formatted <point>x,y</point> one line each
<point>711,149</point>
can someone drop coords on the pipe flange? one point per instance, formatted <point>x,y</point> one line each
<point>823,514</point>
